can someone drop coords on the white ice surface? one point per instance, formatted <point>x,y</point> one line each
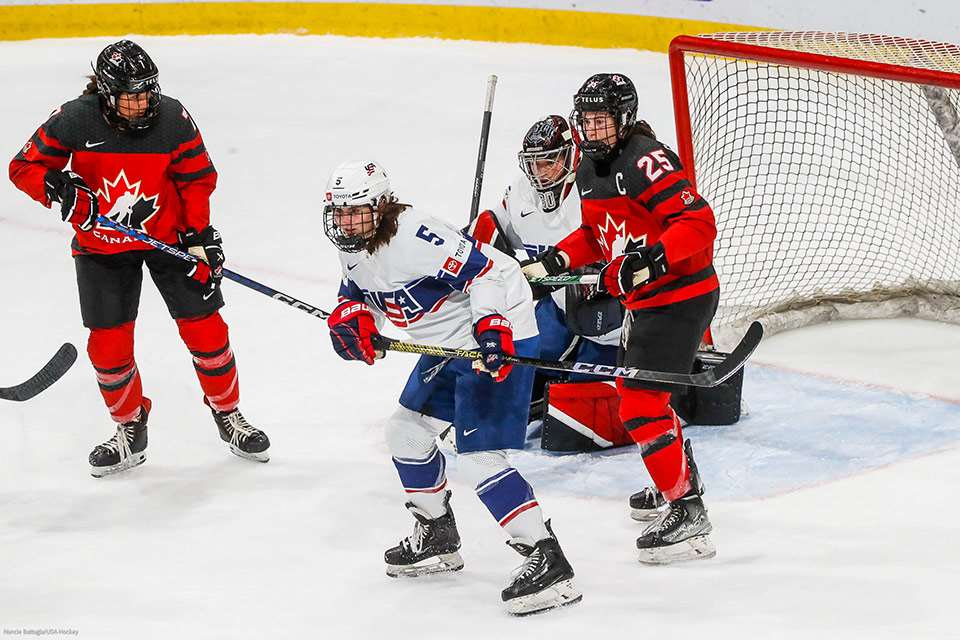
<point>833,501</point>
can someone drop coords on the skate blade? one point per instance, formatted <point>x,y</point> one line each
<point>559,594</point>
<point>263,456</point>
<point>443,563</point>
<point>696,548</point>
<point>135,460</point>
<point>645,515</point>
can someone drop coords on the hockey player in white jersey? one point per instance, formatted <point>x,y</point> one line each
<point>442,288</point>
<point>539,209</point>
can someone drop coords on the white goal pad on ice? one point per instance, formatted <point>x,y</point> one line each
<point>832,161</point>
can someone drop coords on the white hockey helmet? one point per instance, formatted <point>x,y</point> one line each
<point>354,184</point>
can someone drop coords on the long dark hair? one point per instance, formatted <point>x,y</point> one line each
<point>642,128</point>
<point>388,211</point>
<point>91,89</point>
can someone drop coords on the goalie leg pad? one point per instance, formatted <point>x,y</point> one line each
<point>582,416</point>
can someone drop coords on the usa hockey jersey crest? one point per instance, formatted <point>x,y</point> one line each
<point>434,283</point>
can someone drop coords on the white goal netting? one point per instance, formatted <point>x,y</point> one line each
<point>837,194</point>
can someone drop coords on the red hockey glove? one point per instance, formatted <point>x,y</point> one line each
<point>207,247</point>
<point>494,334</point>
<point>352,330</point>
<point>78,204</point>
<point>632,270</point>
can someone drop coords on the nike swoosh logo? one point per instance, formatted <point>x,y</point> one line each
<point>524,214</point>
<point>351,266</point>
<point>586,191</point>
<point>90,145</point>
<point>468,432</point>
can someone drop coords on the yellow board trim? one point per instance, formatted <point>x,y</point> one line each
<point>496,24</point>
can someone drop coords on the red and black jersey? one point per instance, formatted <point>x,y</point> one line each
<point>157,181</point>
<point>640,198</point>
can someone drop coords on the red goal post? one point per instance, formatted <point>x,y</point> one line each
<point>832,161</point>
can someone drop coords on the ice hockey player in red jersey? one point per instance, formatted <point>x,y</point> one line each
<point>644,219</point>
<point>137,157</point>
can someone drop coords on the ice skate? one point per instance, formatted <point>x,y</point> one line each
<point>544,581</point>
<point>244,439</point>
<point>682,532</point>
<point>432,548</point>
<point>646,504</point>
<point>125,450</point>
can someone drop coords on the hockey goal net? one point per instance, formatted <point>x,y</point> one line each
<point>832,161</point>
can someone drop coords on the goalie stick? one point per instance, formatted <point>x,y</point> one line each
<point>482,151</point>
<point>708,378</point>
<point>58,365</point>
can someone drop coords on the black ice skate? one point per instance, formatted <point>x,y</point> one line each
<point>544,581</point>
<point>645,504</point>
<point>125,450</point>
<point>682,532</point>
<point>432,548</point>
<point>245,440</point>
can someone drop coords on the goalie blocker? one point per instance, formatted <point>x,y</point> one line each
<point>584,416</point>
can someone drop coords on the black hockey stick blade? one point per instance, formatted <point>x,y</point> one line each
<point>59,364</point>
<point>734,361</point>
<point>709,378</point>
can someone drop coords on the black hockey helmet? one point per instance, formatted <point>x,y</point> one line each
<point>124,67</point>
<point>611,93</point>
<point>549,145</point>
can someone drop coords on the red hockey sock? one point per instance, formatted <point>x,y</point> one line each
<point>655,428</point>
<point>208,341</point>
<point>111,353</point>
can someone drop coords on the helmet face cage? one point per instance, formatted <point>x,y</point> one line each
<point>352,243</point>
<point>354,185</point>
<point>613,94</point>
<point>125,68</point>
<point>532,162</point>
<point>549,159</point>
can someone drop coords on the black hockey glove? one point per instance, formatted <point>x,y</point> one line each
<point>78,203</point>
<point>548,263</point>
<point>632,270</point>
<point>205,246</point>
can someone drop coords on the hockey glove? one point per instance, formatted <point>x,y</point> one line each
<point>632,270</point>
<point>494,334</point>
<point>352,330</point>
<point>78,204</point>
<point>548,263</point>
<point>207,248</point>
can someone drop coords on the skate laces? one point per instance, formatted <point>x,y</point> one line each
<point>240,429</point>
<point>670,518</point>
<point>120,441</point>
<point>415,542</point>
<point>530,566</point>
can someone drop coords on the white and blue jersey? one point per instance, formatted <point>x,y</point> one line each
<point>531,230</point>
<point>434,283</point>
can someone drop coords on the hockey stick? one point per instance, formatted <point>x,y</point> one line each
<point>708,378</point>
<point>482,152</point>
<point>566,279</point>
<point>230,275</point>
<point>59,364</point>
